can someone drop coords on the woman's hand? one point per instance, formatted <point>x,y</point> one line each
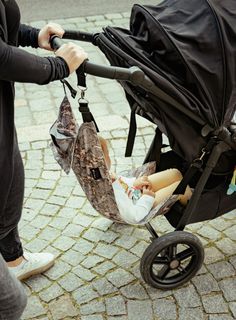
<point>72,54</point>
<point>46,32</point>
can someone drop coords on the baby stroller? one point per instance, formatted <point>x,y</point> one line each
<point>177,66</point>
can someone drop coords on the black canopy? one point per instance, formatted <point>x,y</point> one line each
<point>188,48</point>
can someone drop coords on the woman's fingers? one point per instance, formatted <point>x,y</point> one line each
<point>72,54</point>
<point>46,32</point>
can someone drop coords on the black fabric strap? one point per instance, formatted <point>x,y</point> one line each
<point>131,134</point>
<point>73,92</point>
<point>81,77</point>
<point>86,114</point>
<point>154,152</point>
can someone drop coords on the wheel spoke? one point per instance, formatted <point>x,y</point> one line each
<point>181,269</point>
<point>185,254</point>
<point>161,260</point>
<point>164,272</point>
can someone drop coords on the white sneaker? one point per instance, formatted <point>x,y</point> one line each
<point>33,264</point>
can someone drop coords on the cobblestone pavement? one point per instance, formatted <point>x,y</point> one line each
<point>96,275</point>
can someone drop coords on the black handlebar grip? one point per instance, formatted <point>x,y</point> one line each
<point>55,42</point>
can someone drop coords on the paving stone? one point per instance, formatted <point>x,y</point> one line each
<point>209,232</point>
<point>29,232</point>
<point>205,284</point>
<point>83,246</point>
<point>102,224</point>
<point>34,309</point>
<point>83,273</point>
<point>232,260</point>
<point>134,291</point>
<point>191,313</point>
<point>51,293</point>
<point>93,317</point>
<point>228,287</point>
<point>59,223</point>
<point>56,200</point>
<point>64,243</point>
<point>214,304</point>
<point>91,261</point>
<point>231,232</point>
<point>139,248</point>
<point>227,246</point>
<point>83,220</point>
<point>115,306</point>
<point>73,257</point>
<point>85,294</point>
<point>40,194</point>
<point>139,310</point>
<point>49,234</point>
<point>40,222</point>
<point>50,209</point>
<point>63,307</point>
<point>232,306</point>
<point>109,236</point>
<point>46,184</point>
<point>187,297</point>
<point>63,191</point>
<point>104,267</point>
<point>36,245</point>
<point>221,269</point>
<point>92,307</point>
<point>103,287</point>
<point>70,282</point>
<point>220,317</point>
<point>58,270</point>
<point>165,309</point>
<point>93,235</point>
<point>126,242</point>
<point>73,230</point>
<point>38,283</point>
<point>106,251</point>
<point>125,259</point>
<point>119,278</point>
<point>75,202</point>
<point>212,255</point>
<point>68,213</point>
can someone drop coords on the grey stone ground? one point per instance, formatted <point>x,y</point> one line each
<point>96,275</point>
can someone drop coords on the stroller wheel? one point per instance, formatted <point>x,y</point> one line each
<point>172,260</point>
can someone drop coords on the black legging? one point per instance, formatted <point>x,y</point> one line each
<point>10,244</point>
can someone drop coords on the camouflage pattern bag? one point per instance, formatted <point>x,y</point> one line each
<point>79,148</point>
<point>64,132</point>
<point>91,171</point>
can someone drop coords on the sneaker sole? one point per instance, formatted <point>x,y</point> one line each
<point>36,271</point>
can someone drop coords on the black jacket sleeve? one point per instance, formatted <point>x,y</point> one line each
<point>28,36</point>
<point>18,65</point>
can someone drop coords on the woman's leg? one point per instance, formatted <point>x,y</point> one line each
<point>10,244</point>
<point>166,192</point>
<point>164,178</point>
<point>13,299</point>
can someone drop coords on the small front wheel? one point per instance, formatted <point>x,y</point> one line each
<point>172,260</point>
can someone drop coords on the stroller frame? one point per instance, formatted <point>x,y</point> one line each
<point>163,250</point>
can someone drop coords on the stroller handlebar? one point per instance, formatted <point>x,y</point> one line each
<point>132,74</point>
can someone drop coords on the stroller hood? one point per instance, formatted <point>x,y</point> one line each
<point>194,42</point>
<point>191,46</point>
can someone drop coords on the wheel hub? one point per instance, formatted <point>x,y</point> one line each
<point>174,264</point>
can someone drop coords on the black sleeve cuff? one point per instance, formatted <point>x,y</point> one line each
<point>60,69</point>
<point>28,36</point>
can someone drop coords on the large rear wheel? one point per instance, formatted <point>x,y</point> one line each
<point>172,260</point>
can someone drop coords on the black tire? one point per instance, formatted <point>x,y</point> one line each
<point>162,266</point>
